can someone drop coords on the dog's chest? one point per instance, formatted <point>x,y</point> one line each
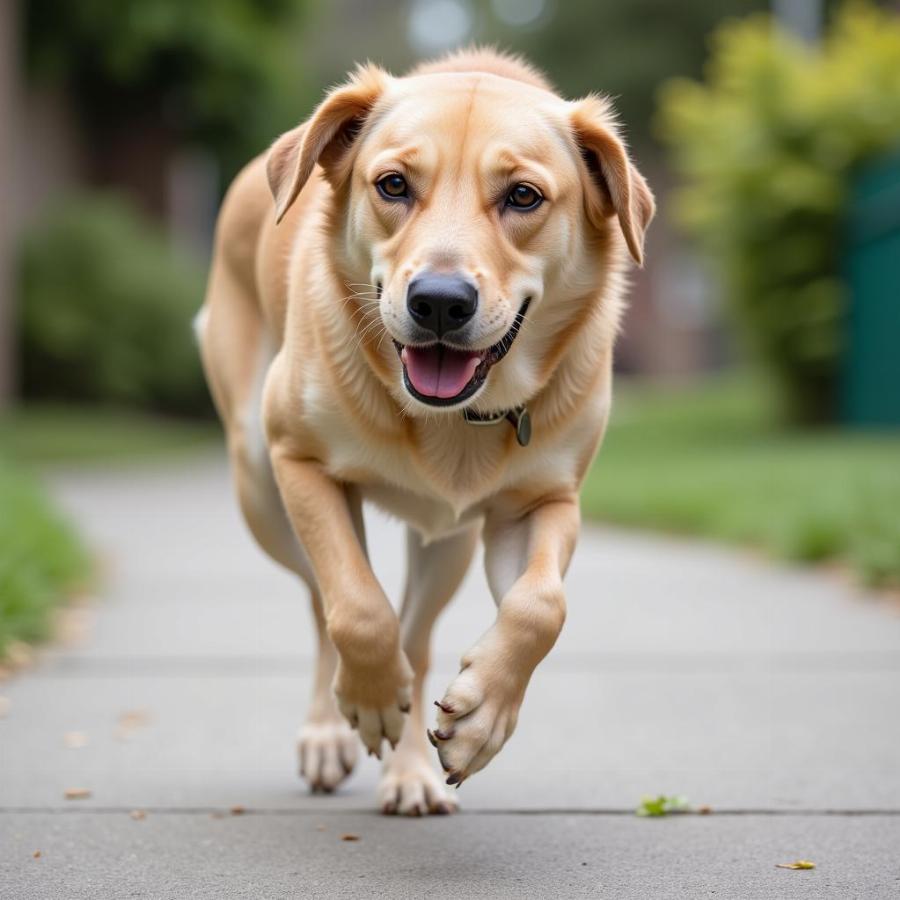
<point>435,494</point>
<point>445,479</point>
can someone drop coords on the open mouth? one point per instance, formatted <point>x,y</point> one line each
<point>441,375</point>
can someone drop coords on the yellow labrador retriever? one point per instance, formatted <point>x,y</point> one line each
<point>423,319</point>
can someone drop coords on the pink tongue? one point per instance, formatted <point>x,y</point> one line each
<point>439,371</point>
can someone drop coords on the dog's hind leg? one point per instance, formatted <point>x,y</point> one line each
<point>409,785</point>
<point>326,745</point>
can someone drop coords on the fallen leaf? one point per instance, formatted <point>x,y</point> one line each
<point>137,814</point>
<point>704,810</point>
<point>74,740</point>
<point>797,864</point>
<point>349,837</point>
<point>662,805</point>
<point>237,810</point>
<point>77,793</point>
<point>18,655</point>
<point>130,721</point>
<point>36,854</point>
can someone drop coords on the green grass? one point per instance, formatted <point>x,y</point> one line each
<point>41,559</point>
<point>45,434</point>
<point>711,460</point>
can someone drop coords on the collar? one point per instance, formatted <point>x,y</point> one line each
<point>518,418</point>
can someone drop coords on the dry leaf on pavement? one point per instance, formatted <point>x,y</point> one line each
<point>74,740</point>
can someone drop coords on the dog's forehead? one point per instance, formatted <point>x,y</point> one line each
<point>471,110</point>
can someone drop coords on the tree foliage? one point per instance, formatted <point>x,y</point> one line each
<point>221,72</point>
<point>768,147</point>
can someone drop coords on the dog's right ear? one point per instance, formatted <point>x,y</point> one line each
<point>325,138</point>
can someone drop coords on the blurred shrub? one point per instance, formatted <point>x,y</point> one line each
<point>41,559</point>
<point>106,310</point>
<point>767,148</point>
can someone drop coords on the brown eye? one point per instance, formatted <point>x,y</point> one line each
<point>393,187</point>
<point>524,197</point>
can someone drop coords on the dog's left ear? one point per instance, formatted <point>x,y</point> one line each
<point>325,138</point>
<point>615,186</point>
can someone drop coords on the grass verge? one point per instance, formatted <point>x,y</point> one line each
<point>711,460</point>
<point>49,434</point>
<point>42,561</point>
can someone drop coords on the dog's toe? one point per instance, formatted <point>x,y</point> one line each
<point>327,753</point>
<point>410,787</point>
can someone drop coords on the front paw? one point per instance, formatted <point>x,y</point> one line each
<point>476,717</point>
<point>375,699</point>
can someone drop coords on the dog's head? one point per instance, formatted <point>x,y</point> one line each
<point>483,210</point>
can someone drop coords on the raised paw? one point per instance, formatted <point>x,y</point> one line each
<point>375,702</point>
<point>410,787</point>
<point>327,753</point>
<point>476,716</point>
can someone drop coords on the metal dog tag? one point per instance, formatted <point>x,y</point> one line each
<point>521,421</point>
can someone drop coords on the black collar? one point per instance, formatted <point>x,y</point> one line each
<point>518,418</point>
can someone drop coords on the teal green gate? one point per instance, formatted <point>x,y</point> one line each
<point>871,375</point>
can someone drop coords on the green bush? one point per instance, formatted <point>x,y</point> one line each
<point>767,148</point>
<point>41,559</point>
<point>106,311</point>
<point>224,73</point>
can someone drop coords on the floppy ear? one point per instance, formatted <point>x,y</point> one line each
<point>616,187</point>
<point>325,138</point>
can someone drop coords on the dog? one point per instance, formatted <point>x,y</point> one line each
<point>413,302</point>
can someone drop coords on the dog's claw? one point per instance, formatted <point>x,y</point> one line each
<point>444,707</point>
<point>406,708</point>
<point>431,738</point>
<point>443,735</point>
<point>453,778</point>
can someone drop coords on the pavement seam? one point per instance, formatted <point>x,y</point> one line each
<point>261,811</point>
<point>845,662</point>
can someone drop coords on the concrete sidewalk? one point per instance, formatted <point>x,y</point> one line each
<point>771,694</point>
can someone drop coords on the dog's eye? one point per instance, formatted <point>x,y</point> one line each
<point>393,186</point>
<point>524,197</point>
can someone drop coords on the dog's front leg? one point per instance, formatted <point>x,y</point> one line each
<point>373,679</point>
<point>526,556</point>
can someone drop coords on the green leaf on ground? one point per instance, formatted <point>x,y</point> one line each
<point>662,805</point>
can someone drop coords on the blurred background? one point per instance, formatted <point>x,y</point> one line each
<point>758,399</point>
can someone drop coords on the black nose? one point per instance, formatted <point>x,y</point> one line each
<point>441,303</point>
